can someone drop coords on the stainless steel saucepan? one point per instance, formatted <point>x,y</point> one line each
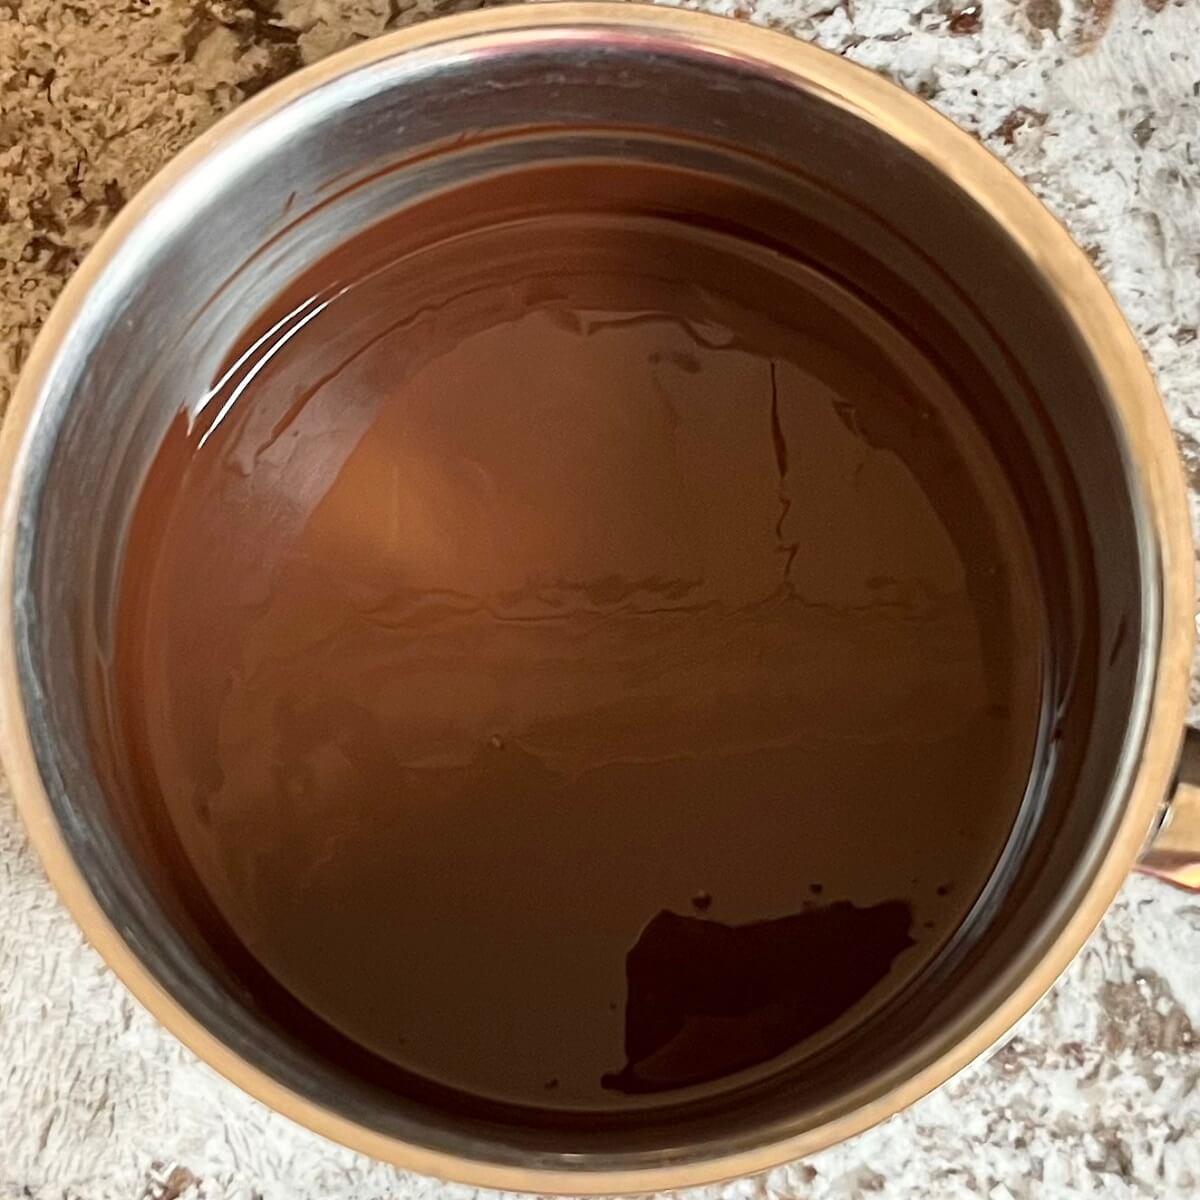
<point>871,177</point>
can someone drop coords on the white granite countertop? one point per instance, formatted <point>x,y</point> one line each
<point>1096,103</point>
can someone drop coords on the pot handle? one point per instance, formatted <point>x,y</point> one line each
<point>1173,852</point>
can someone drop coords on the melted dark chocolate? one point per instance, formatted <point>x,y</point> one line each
<point>705,999</point>
<point>523,578</point>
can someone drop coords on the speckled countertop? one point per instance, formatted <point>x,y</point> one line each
<point>1096,103</point>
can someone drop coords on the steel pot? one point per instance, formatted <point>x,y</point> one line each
<point>970,255</point>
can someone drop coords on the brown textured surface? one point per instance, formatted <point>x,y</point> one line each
<point>95,98</point>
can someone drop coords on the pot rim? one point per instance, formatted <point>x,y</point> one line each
<point>1147,763</point>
